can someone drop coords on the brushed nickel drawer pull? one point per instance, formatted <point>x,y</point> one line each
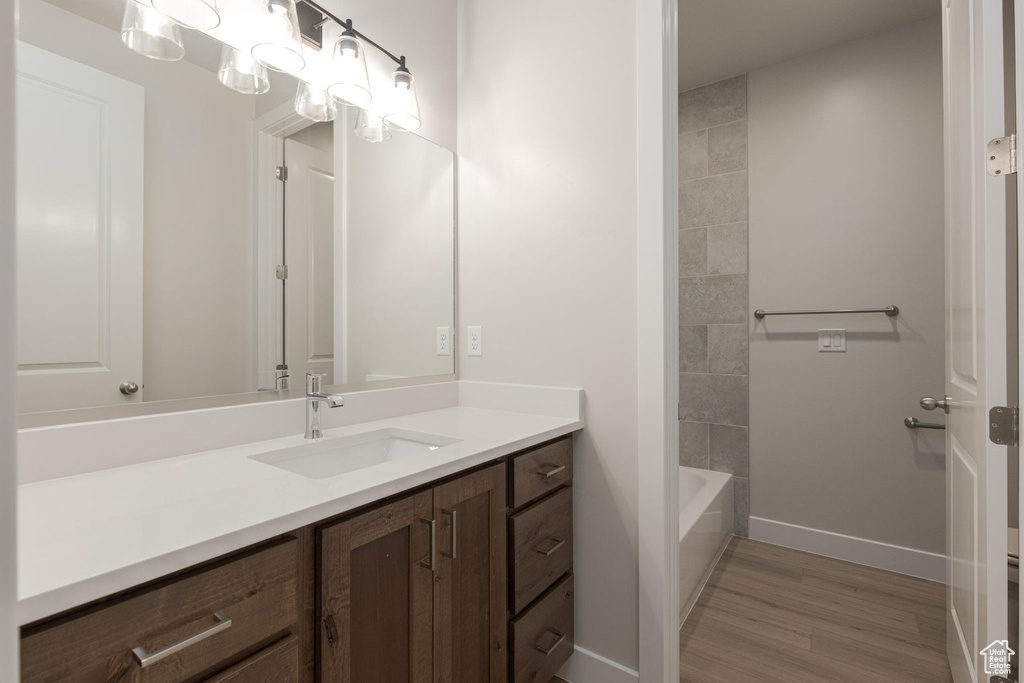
<point>431,564</point>
<point>454,514</point>
<point>147,659</point>
<point>559,639</point>
<point>559,542</point>
<point>552,472</point>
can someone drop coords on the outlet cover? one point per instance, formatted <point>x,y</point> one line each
<point>475,340</point>
<point>444,341</point>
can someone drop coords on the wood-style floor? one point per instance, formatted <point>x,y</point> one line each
<point>774,615</point>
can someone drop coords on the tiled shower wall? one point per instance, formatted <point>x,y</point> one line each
<point>713,359</point>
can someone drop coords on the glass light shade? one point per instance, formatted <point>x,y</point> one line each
<point>150,33</point>
<point>403,108</point>
<point>239,71</point>
<point>197,14</point>
<point>314,103</point>
<point>371,127</point>
<point>352,82</point>
<point>285,53</point>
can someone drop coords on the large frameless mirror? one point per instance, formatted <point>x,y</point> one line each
<point>192,224</point>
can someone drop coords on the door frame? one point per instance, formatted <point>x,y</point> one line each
<point>657,339</point>
<point>8,429</point>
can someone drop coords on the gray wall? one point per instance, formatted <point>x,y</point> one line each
<point>713,393</point>
<point>846,210</point>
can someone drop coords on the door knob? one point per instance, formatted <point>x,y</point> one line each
<point>128,388</point>
<point>929,403</point>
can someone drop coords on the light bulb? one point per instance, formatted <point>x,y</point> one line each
<point>197,14</point>
<point>150,33</point>
<point>371,127</point>
<point>314,104</point>
<point>285,52</point>
<point>352,83</point>
<point>403,107</point>
<point>239,71</point>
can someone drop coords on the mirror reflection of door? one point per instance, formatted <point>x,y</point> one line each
<point>79,233</point>
<point>309,253</point>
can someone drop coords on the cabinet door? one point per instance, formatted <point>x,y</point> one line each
<point>470,596</point>
<point>376,580</point>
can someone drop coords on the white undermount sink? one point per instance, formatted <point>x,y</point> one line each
<point>330,457</point>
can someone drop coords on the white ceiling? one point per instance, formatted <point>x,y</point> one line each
<point>723,38</point>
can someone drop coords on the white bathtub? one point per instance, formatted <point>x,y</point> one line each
<point>705,527</point>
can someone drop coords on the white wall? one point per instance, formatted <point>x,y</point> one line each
<point>395,264</point>
<point>547,257</point>
<point>846,211</point>
<point>198,209</point>
<point>8,462</point>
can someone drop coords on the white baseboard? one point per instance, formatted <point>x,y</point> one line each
<point>894,558</point>
<point>586,667</point>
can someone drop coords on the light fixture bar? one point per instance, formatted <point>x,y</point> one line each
<point>348,25</point>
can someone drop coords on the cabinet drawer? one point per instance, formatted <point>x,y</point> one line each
<point>541,547</point>
<point>542,638</point>
<point>200,622</point>
<point>278,663</point>
<point>541,471</point>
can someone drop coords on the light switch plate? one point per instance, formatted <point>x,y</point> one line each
<point>444,341</point>
<point>832,341</point>
<point>475,340</point>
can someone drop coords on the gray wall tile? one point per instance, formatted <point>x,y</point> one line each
<point>693,348</point>
<point>727,349</point>
<point>715,299</point>
<point>741,497</point>
<point>693,155</point>
<point>712,105</point>
<point>693,252</point>
<point>713,201</point>
<point>729,450</point>
<point>720,399</point>
<point>727,148</point>
<point>727,249</point>
<point>693,444</point>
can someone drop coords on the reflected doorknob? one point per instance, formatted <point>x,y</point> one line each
<point>128,388</point>
<point>929,403</point>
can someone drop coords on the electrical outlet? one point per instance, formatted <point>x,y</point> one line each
<point>444,341</point>
<point>475,340</point>
<point>832,341</point>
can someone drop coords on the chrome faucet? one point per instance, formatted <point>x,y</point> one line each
<point>314,397</point>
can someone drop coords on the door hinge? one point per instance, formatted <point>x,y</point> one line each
<point>281,272</point>
<point>281,173</point>
<point>1004,426</point>
<point>1002,155</point>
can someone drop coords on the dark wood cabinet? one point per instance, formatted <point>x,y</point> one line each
<point>470,596</point>
<point>411,590</point>
<point>376,594</point>
<point>416,590</point>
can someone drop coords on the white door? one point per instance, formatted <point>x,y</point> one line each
<point>976,369</point>
<point>309,253</point>
<point>79,208</point>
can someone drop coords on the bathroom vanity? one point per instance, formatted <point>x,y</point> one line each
<point>462,576</point>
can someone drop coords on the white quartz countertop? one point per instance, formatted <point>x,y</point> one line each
<point>87,536</point>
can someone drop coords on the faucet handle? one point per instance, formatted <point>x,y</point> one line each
<point>313,382</point>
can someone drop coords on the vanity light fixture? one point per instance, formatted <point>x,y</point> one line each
<point>150,33</point>
<point>352,86</point>
<point>371,128</point>
<point>314,104</point>
<point>403,106</point>
<point>197,14</point>
<point>285,53</point>
<point>240,71</point>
